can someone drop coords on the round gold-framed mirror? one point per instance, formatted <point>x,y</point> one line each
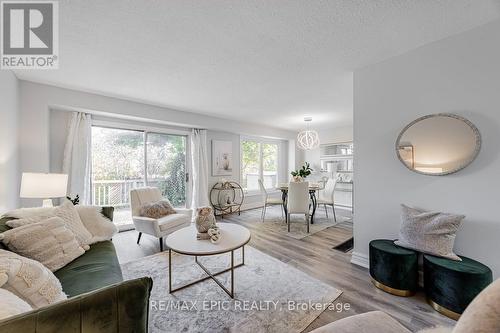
<point>438,144</point>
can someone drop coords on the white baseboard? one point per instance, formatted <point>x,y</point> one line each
<point>360,259</point>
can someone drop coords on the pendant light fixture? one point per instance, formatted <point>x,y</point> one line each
<point>308,139</point>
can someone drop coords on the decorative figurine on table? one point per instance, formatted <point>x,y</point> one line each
<point>205,221</point>
<point>214,235</point>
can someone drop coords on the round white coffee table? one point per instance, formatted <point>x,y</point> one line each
<point>184,241</point>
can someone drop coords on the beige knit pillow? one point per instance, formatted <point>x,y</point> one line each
<point>48,242</point>
<point>67,212</point>
<point>429,232</point>
<point>156,210</point>
<point>29,280</point>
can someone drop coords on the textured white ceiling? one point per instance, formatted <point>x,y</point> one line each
<point>267,61</point>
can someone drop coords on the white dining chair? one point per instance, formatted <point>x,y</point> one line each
<point>268,201</point>
<point>298,201</point>
<point>326,196</point>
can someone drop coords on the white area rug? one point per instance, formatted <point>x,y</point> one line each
<point>270,296</point>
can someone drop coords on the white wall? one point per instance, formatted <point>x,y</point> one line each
<point>251,200</point>
<point>9,152</point>
<point>44,127</point>
<point>58,132</point>
<point>460,75</point>
<point>36,100</point>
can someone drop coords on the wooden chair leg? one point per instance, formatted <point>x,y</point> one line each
<point>288,222</point>
<point>334,216</point>
<point>326,211</point>
<point>307,222</point>
<point>139,238</point>
<point>161,244</point>
<point>264,212</point>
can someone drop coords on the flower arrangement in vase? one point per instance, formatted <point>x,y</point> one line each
<point>300,174</point>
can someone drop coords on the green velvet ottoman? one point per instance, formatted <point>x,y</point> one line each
<point>451,285</point>
<point>393,269</point>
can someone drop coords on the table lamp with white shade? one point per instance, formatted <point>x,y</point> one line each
<point>44,186</point>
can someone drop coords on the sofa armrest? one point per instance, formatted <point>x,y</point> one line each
<point>185,211</point>
<point>122,307</point>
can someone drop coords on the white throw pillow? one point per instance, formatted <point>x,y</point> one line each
<point>429,232</point>
<point>33,212</point>
<point>29,280</point>
<point>50,242</point>
<point>98,225</point>
<point>67,212</point>
<point>11,305</point>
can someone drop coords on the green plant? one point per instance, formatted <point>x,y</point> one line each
<point>75,201</point>
<point>303,172</point>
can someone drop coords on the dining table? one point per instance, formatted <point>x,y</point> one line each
<point>313,188</point>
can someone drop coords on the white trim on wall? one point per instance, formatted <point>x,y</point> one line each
<point>129,125</point>
<point>360,259</point>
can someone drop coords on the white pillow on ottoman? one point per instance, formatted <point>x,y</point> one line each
<point>48,242</point>
<point>429,232</point>
<point>29,280</point>
<point>98,225</point>
<point>11,305</point>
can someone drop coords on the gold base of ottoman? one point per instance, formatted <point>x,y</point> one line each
<point>393,291</point>
<point>442,310</point>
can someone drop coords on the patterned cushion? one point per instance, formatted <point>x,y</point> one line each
<point>48,242</point>
<point>67,212</point>
<point>11,305</point>
<point>29,280</point>
<point>156,210</point>
<point>429,232</point>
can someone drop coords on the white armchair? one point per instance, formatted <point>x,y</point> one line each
<point>156,227</point>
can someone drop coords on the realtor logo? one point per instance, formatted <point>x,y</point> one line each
<point>29,35</point>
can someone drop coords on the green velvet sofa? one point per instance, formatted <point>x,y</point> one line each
<point>98,298</point>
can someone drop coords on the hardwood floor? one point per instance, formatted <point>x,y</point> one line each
<point>314,255</point>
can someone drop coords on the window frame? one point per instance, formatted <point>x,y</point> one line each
<point>261,141</point>
<point>116,124</point>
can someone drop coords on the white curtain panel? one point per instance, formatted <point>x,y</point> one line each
<point>77,161</point>
<point>200,168</point>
